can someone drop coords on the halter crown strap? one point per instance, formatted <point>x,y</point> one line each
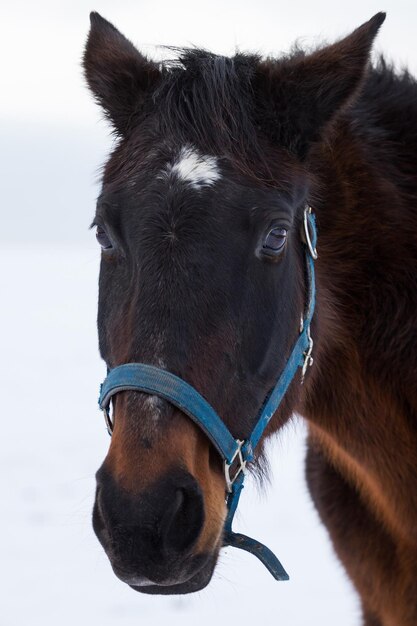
<point>235,453</point>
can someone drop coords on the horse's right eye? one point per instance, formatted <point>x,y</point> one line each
<point>103,238</point>
<point>275,240</point>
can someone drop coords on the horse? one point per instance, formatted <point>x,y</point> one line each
<point>203,276</point>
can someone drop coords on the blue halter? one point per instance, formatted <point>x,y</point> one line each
<point>235,453</point>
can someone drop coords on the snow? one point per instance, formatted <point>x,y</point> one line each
<point>53,439</point>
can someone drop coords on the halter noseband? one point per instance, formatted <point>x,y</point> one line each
<point>235,453</point>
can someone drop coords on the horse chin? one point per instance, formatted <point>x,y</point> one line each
<point>196,582</point>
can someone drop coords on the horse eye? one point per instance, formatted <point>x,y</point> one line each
<point>103,238</point>
<point>275,239</point>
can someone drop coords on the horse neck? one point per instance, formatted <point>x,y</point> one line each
<point>360,400</point>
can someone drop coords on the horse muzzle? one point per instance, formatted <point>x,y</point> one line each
<point>151,538</point>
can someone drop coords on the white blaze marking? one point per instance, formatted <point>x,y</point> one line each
<point>194,168</point>
<point>155,404</point>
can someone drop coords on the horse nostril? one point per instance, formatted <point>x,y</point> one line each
<point>183,521</point>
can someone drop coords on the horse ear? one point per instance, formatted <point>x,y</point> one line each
<point>297,97</point>
<point>117,73</point>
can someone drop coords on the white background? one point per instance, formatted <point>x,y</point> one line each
<point>52,143</point>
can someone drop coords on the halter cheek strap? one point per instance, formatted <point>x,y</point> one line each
<point>235,453</point>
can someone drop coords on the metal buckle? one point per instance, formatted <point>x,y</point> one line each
<point>240,468</point>
<point>313,251</point>
<point>308,359</point>
<point>108,420</point>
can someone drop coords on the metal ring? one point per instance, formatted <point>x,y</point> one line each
<point>108,420</point>
<point>313,251</point>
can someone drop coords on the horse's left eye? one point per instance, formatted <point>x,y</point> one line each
<point>275,239</point>
<point>103,238</point>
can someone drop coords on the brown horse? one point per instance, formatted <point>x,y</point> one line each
<point>202,274</point>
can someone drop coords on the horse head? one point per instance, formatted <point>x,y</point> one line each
<point>202,273</point>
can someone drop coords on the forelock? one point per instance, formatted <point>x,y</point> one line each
<point>206,100</point>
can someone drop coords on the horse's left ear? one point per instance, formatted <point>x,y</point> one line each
<point>297,97</point>
<point>117,73</point>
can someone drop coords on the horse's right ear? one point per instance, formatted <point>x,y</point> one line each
<point>117,73</point>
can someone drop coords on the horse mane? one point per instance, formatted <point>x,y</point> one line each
<point>386,94</point>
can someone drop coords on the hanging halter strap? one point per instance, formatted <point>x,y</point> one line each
<point>234,452</point>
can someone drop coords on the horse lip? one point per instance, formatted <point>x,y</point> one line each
<point>180,584</point>
<point>134,580</point>
<point>195,583</point>
<point>131,579</point>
